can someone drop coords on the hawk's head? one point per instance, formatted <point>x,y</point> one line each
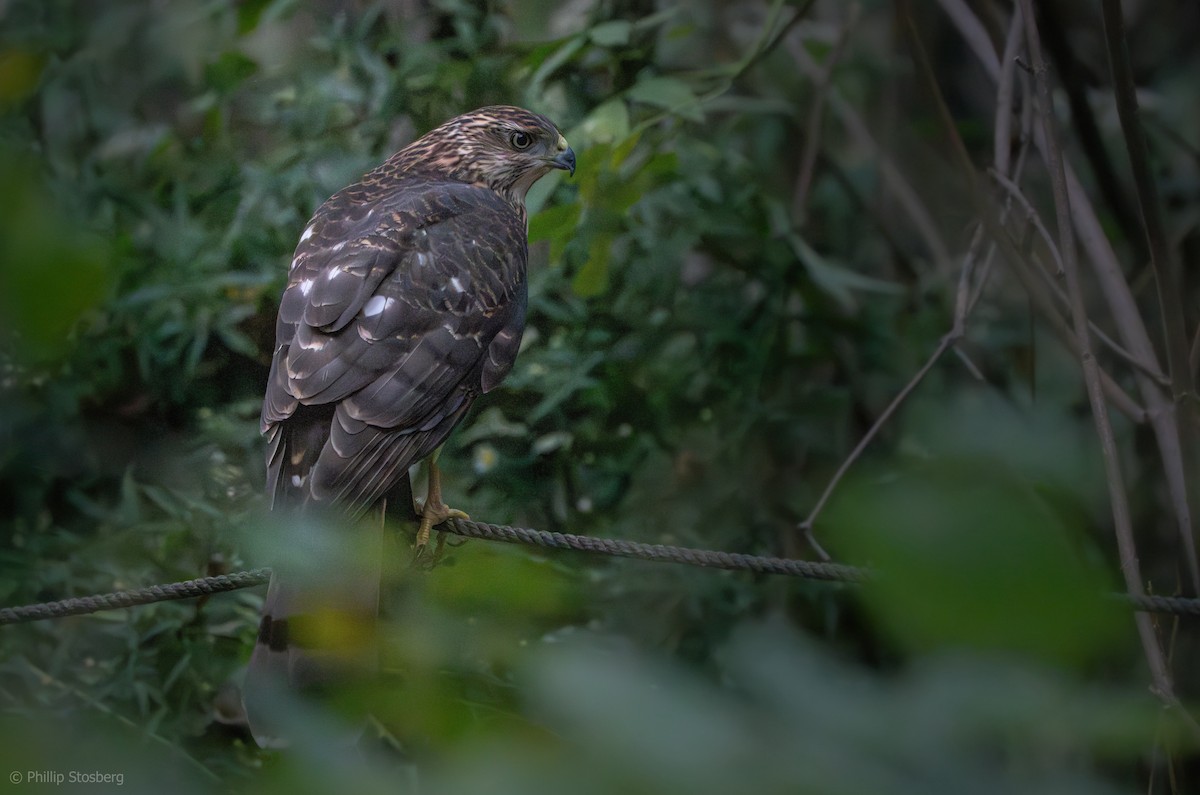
<point>501,146</point>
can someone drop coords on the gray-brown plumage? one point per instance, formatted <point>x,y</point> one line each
<point>405,301</point>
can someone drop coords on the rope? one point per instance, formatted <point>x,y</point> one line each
<point>1175,605</point>
<point>119,599</point>
<point>662,553</point>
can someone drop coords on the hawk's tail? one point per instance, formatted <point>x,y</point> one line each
<point>318,629</point>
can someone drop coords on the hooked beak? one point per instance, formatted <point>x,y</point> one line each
<point>566,157</point>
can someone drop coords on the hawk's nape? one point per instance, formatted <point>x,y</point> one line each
<point>405,301</point>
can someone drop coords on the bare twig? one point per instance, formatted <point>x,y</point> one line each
<point>816,112</point>
<point>1159,408</point>
<point>971,29</point>
<point>1194,356</point>
<point>1116,487</point>
<point>1002,136</point>
<point>893,181</point>
<point>1170,294</point>
<point>996,225</point>
<point>1032,214</point>
<point>1074,81</point>
<point>949,339</point>
<point>1134,337</point>
<point>964,302</point>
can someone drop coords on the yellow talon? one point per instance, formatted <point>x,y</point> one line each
<point>434,511</point>
<point>431,518</point>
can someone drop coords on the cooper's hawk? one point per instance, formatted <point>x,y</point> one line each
<point>405,301</point>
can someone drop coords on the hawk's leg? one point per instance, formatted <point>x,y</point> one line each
<point>434,511</point>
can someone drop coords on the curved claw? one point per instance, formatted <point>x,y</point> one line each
<point>431,517</point>
<point>434,511</point>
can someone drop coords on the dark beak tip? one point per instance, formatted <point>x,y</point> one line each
<point>566,161</point>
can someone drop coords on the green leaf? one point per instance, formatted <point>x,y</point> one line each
<point>19,74</point>
<point>549,442</point>
<point>611,34</point>
<point>565,53</point>
<point>229,70</point>
<point>608,122</point>
<point>669,93</point>
<point>249,13</point>
<point>592,278</point>
<point>491,424</point>
<point>837,281</point>
<point>971,554</point>
<point>554,222</point>
<point>557,224</point>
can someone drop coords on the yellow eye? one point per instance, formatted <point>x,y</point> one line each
<point>520,140</point>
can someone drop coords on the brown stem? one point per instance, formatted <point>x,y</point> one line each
<point>1166,277</point>
<point>1091,372</point>
<point>816,113</point>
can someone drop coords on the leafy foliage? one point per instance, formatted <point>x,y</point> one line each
<point>703,350</point>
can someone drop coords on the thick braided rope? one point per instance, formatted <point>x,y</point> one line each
<point>663,553</point>
<point>1174,605</point>
<point>155,593</point>
<point>657,552</point>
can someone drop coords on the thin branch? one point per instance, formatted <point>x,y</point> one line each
<point>1032,214</point>
<point>1074,81</point>
<point>996,225</point>
<point>1132,330</point>
<point>907,197</point>
<point>963,304</point>
<point>1032,285</point>
<point>1194,356</point>
<point>1002,136</point>
<point>971,29</point>
<point>1170,292</point>
<point>1112,466</point>
<point>970,365</point>
<point>1159,408</point>
<point>949,339</point>
<point>816,113</point>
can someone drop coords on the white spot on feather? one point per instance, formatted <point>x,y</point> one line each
<point>307,234</point>
<point>315,343</point>
<point>306,287</point>
<point>376,305</point>
<point>296,481</point>
<point>333,273</point>
<point>295,262</point>
<point>456,284</point>
<point>422,259</point>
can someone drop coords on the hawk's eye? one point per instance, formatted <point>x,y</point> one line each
<point>521,139</point>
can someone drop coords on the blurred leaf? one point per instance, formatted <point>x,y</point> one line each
<point>19,74</point>
<point>230,69</point>
<point>607,123</point>
<point>837,281</point>
<point>592,278</point>
<point>51,274</point>
<point>556,224</point>
<point>560,56</point>
<point>611,34</point>
<point>969,554</point>
<point>549,442</point>
<point>668,93</point>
